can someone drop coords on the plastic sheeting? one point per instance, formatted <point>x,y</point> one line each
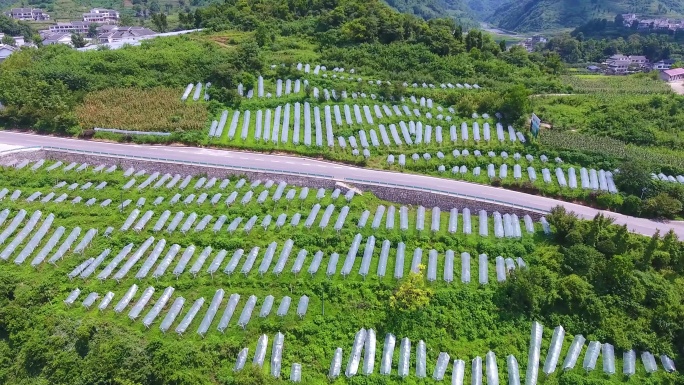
<point>211,312</point>
<point>608,359</point>
<point>316,263</point>
<point>628,362</point>
<point>228,312</point>
<point>404,357</point>
<point>367,256</point>
<point>420,360</point>
<point>591,355</point>
<point>513,370</point>
<point>453,221</point>
<point>668,364</point>
<point>332,264</point>
<point>260,352</point>
<point>440,367</point>
<point>241,360</point>
<point>387,354</point>
<point>246,314</point>
<point>142,302</point>
<point>533,355</point>
<point>574,352</point>
<point>554,350</point>
<point>458,372</point>
<point>158,306</point>
<point>336,364</point>
<point>649,362</point>
<point>369,350</point>
<point>483,269</point>
<point>355,356</point>
<point>492,370</point>
<point>277,354</point>
<point>302,306</point>
<point>476,371</point>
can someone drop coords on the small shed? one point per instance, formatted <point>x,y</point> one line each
<point>673,75</point>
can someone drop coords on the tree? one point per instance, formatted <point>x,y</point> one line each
<point>264,35</point>
<point>159,21</point>
<point>553,63</point>
<point>249,56</point>
<point>412,294</point>
<point>582,260</point>
<point>92,30</point>
<point>672,246</point>
<point>516,103</point>
<point>633,177</point>
<point>662,206</point>
<point>502,45</point>
<point>563,221</point>
<point>8,40</point>
<point>154,6</point>
<point>77,40</point>
<point>529,290</point>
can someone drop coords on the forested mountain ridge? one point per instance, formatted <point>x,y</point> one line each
<point>539,15</point>
<point>473,10</point>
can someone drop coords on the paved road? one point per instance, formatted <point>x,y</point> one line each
<point>337,171</point>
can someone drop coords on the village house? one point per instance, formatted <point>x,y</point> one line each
<point>6,51</point>
<point>71,27</point>
<point>101,16</point>
<point>673,75</point>
<point>628,19</point>
<point>114,34</point>
<point>657,24</point>
<point>621,64</point>
<point>662,65</point>
<point>57,38</point>
<point>27,14</point>
<point>19,41</point>
<point>532,42</point>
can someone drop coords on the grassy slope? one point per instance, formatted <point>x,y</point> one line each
<point>540,15</point>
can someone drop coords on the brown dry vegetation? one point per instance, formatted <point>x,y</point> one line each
<point>157,109</point>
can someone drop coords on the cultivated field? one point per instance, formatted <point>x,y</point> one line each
<point>202,265</point>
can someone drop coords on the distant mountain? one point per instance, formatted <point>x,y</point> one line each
<point>474,10</point>
<point>540,15</point>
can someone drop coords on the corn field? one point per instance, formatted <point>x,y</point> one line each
<point>157,109</point>
<point>601,84</point>
<point>563,140</point>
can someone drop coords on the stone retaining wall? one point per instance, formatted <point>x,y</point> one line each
<point>388,193</point>
<point>443,201</point>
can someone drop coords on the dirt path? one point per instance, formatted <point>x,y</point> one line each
<point>678,88</point>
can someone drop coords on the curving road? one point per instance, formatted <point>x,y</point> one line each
<point>337,171</point>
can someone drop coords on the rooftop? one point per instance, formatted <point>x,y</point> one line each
<point>674,72</point>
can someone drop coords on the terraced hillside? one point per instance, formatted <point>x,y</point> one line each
<point>222,270</point>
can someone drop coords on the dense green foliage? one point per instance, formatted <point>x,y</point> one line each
<point>467,12</point>
<point>45,95</point>
<point>576,48</point>
<point>591,277</point>
<point>11,27</point>
<point>541,15</point>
